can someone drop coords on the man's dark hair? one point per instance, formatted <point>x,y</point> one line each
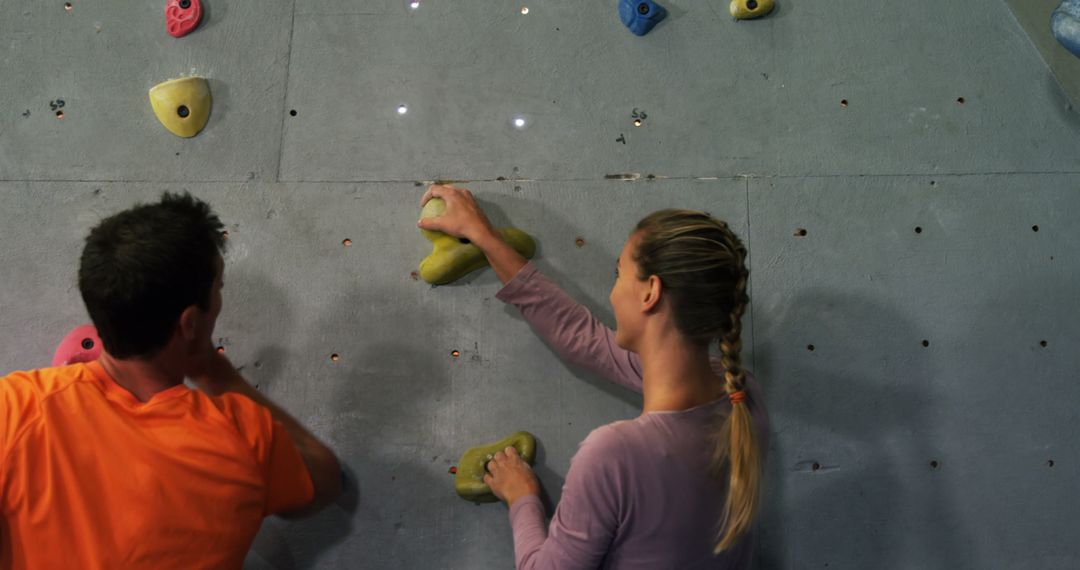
<point>142,267</point>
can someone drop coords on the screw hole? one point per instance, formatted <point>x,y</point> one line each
<point>292,112</point>
<point>926,343</point>
<point>59,114</point>
<point>87,343</point>
<point>67,6</point>
<point>751,4</point>
<point>183,111</point>
<point>221,350</point>
<point>933,182</point>
<point>455,353</point>
<point>800,232</point>
<point>1043,343</point>
<point>815,466</point>
<point>463,241</point>
<point>524,10</point>
<point>185,4</point>
<point>643,8</point>
<point>334,357</point>
<point>934,464</point>
<point>918,229</point>
<point>580,242</point>
<point>960,100</point>
<point>1050,463</point>
<point>637,122</point>
<point>1034,228</point>
<point>346,242</point>
<point>843,103</point>
<point>810,347</point>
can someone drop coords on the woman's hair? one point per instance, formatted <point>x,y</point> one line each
<point>701,265</point>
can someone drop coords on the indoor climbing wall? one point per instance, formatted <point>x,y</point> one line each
<point>904,173</point>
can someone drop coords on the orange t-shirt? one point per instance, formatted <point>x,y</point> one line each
<point>91,478</point>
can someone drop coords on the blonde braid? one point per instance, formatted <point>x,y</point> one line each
<point>701,263</point>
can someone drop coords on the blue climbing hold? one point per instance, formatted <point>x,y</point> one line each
<point>1065,24</point>
<point>641,15</point>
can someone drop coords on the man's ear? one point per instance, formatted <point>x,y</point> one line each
<point>653,289</point>
<point>189,323</point>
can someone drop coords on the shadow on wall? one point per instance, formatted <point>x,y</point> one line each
<point>381,406</point>
<point>851,443</point>
<point>555,225</point>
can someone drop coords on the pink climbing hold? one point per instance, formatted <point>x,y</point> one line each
<point>182,16</point>
<point>82,344</point>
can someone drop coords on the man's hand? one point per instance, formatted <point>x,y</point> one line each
<point>216,375</point>
<point>463,217</point>
<point>510,478</point>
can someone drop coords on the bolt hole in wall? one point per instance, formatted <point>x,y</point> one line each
<point>455,353</point>
<point>960,101</point>
<point>67,6</point>
<point>524,10</point>
<point>59,114</point>
<point>335,357</point>
<point>934,464</point>
<point>926,344</point>
<point>810,347</point>
<point>801,232</point>
<point>843,103</point>
<point>1043,343</point>
<point>580,242</point>
<point>1050,463</point>
<point>1034,228</point>
<point>918,229</point>
<point>816,466</point>
<point>292,112</point>
<point>346,242</point>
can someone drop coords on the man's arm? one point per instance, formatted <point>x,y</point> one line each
<point>321,462</point>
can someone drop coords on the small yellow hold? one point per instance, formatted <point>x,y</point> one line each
<point>469,480</point>
<point>750,9</point>
<point>452,258</point>
<point>182,105</point>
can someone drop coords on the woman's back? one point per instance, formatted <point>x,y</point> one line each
<point>673,500</point>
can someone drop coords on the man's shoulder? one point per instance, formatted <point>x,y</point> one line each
<point>40,383</point>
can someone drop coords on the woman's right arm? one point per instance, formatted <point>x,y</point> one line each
<point>573,331</point>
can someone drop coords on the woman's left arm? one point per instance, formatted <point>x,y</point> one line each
<point>587,516</point>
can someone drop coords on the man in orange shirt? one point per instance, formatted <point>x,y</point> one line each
<point>116,463</point>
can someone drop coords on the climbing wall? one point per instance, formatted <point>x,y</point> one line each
<point>904,173</point>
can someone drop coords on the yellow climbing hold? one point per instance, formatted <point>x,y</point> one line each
<point>182,105</point>
<point>750,9</point>
<point>469,480</point>
<point>452,258</point>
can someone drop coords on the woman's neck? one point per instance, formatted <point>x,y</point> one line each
<point>677,374</point>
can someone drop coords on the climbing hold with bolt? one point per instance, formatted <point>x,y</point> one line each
<point>182,105</point>
<point>182,17</point>
<point>641,15</point>
<point>750,9</point>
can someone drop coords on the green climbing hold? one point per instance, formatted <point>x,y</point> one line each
<point>469,480</point>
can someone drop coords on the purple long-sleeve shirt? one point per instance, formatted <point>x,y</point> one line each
<point>639,493</point>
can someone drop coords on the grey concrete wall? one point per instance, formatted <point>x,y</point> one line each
<point>958,454</point>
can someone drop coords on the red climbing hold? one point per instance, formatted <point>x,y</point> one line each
<point>82,344</point>
<point>182,16</point>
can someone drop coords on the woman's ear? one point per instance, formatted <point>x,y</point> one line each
<point>653,288</point>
